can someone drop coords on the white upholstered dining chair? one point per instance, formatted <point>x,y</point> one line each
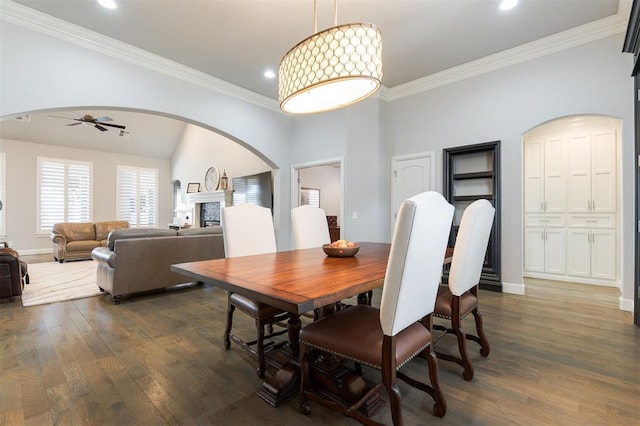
<point>389,337</point>
<point>309,226</point>
<point>460,297</point>
<point>248,230</point>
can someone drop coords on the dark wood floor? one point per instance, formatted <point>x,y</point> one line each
<point>562,354</point>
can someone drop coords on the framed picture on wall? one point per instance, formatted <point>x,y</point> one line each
<point>193,187</point>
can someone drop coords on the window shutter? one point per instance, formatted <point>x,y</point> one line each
<point>52,188</point>
<point>79,193</point>
<point>138,196</point>
<point>127,190</point>
<point>64,193</point>
<point>148,192</point>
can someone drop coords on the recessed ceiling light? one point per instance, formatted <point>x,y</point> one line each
<point>109,4</point>
<point>508,4</point>
<point>269,74</point>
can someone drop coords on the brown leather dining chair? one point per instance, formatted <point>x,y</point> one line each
<point>387,338</point>
<point>248,230</point>
<point>460,297</point>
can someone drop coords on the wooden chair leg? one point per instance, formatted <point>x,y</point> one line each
<point>440,404</point>
<point>456,325</point>
<point>484,343</point>
<point>389,379</point>
<point>227,330</point>
<point>305,408</point>
<point>467,373</point>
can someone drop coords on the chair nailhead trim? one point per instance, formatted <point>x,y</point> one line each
<point>377,367</point>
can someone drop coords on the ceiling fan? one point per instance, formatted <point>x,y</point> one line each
<point>90,120</point>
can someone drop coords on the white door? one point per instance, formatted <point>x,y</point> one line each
<point>579,159</point>
<point>410,176</point>
<point>603,254</point>
<point>533,176</point>
<point>554,174</point>
<point>534,249</point>
<point>579,241</point>
<point>603,171</point>
<point>554,250</point>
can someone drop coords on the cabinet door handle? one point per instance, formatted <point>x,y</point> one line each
<point>541,205</point>
<point>593,205</point>
<point>542,235</point>
<point>545,206</point>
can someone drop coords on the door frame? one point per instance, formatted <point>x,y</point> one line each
<point>295,185</point>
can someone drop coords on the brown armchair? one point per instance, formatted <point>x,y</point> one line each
<point>13,274</point>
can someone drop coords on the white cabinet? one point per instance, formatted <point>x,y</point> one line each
<point>544,175</point>
<point>544,250</point>
<point>592,172</point>
<point>570,200</point>
<point>592,253</point>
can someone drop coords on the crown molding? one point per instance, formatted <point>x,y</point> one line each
<point>29,18</point>
<point>577,36</point>
<point>26,17</point>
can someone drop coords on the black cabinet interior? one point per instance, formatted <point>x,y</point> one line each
<point>472,172</point>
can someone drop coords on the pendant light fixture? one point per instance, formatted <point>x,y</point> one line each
<point>331,69</point>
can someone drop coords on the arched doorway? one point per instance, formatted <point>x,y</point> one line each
<point>571,200</point>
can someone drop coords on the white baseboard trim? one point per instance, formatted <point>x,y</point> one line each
<point>625,304</point>
<point>26,252</point>
<point>511,288</point>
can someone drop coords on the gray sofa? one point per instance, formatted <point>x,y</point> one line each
<point>138,259</point>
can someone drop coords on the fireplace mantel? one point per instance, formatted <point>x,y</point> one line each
<point>225,197</point>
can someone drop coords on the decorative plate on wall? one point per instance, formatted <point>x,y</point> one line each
<point>211,179</point>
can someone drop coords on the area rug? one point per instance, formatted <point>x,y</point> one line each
<point>57,282</point>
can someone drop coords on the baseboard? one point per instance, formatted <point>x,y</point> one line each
<point>26,252</point>
<point>511,288</point>
<point>625,304</point>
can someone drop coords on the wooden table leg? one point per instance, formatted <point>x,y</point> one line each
<point>335,381</point>
<point>285,385</point>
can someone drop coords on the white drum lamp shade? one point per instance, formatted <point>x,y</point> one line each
<point>331,69</point>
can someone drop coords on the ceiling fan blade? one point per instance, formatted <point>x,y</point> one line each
<point>119,126</point>
<point>65,118</point>
<point>99,127</point>
<point>73,124</point>
<point>105,118</point>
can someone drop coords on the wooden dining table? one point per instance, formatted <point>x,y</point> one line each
<point>296,281</point>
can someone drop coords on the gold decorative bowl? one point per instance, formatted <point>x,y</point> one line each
<point>340,252</point>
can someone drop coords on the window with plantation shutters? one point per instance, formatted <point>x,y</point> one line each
<point>138,196</point>
<point>3,230</point>
<point>65,192</point>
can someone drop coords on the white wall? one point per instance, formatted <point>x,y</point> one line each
<point>40,72</point>
<point>21,176</point>
<point>200,149</point>
<point>354,134</point>
<point>503,105</point>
